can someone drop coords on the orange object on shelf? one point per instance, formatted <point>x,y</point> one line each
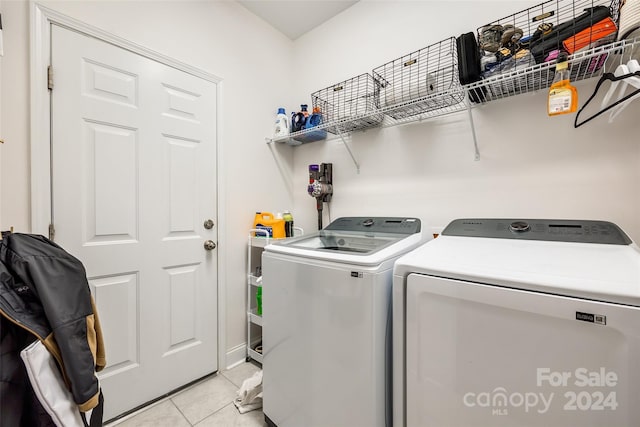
<point>266,221</point>
<point>587,36</point>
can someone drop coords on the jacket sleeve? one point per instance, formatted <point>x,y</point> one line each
<point>61,284</point>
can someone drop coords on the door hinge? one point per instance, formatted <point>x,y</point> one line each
<point>52,232</point>
<point>49,78</point>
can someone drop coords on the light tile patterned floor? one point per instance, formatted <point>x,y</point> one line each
<point>207,403</point>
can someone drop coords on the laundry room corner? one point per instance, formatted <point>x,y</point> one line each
<point>529,163</point>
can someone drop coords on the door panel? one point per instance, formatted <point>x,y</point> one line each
<point>122,333</point>
<point>133,180</point>
<point>108,186</point>
<point>182,185</point>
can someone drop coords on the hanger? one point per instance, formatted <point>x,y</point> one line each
<point>614,79</point>
<point>631,67</point>
<point>621,70</point>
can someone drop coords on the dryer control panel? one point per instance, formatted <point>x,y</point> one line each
<point>561,230</point>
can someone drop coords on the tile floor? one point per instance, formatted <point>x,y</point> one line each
<point>207,403</point>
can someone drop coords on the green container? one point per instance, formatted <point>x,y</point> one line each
<point>259,301</point>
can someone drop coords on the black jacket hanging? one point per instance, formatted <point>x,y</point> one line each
<point>44,294</point>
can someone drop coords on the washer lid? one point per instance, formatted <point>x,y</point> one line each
<point>354,242</point>
<point>358,240</point>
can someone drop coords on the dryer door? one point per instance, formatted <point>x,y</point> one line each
<point>480,355</point>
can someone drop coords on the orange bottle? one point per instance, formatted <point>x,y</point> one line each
<point>563,96</point>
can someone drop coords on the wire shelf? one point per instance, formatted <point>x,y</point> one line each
<point>349,105</point>
<point>383,110</point>
<point>408,83</point>
<point>537,32</point>
<point>518,52</point>
<point>447,102</point>
<point>583,65</point>
<point>299,137</point>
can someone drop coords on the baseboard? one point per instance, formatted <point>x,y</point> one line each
<point>236,356</point>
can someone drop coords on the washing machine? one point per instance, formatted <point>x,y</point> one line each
<point>327,324</point>
<point>503,322</point>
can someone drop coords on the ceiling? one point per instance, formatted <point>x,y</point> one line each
<point>293,18</point>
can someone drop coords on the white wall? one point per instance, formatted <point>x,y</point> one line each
<point>531,165</point>
<point>14,107</point>
<point>220,37</point>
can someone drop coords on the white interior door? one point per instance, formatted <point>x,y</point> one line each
<point>133,182</point>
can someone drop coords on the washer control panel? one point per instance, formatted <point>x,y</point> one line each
<point>561,230</point>
<point>397,225</point>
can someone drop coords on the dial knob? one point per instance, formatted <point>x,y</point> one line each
<point>519,226</point>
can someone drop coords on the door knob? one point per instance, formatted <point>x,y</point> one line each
<point>208,224</point>
<point>209,245</point>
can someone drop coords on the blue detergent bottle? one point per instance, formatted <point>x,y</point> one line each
<point>314,120</point>
<point>299,119</point>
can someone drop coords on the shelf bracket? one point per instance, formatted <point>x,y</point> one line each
<point>348,147</point>
<point>473,127</point>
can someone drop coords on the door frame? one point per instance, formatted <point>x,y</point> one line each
<point>41,18</point>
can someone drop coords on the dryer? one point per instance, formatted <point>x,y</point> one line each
<point>503,322</point>
<point>327,323</point>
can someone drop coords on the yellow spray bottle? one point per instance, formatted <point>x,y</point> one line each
<point>563,97</point>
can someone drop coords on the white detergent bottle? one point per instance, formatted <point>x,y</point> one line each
<point>282,124</point>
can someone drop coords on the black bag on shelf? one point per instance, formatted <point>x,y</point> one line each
<point>541,45</point>
<point>469,64</point>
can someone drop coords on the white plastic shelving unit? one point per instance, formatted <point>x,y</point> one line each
<point>255,247</point>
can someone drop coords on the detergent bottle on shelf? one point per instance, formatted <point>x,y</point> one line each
<point>272,225</point>
<point>299,119</point>
<point>259,301</point>
<point>288,223</point>
<point>282,124</point>
<point>314,119</point>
